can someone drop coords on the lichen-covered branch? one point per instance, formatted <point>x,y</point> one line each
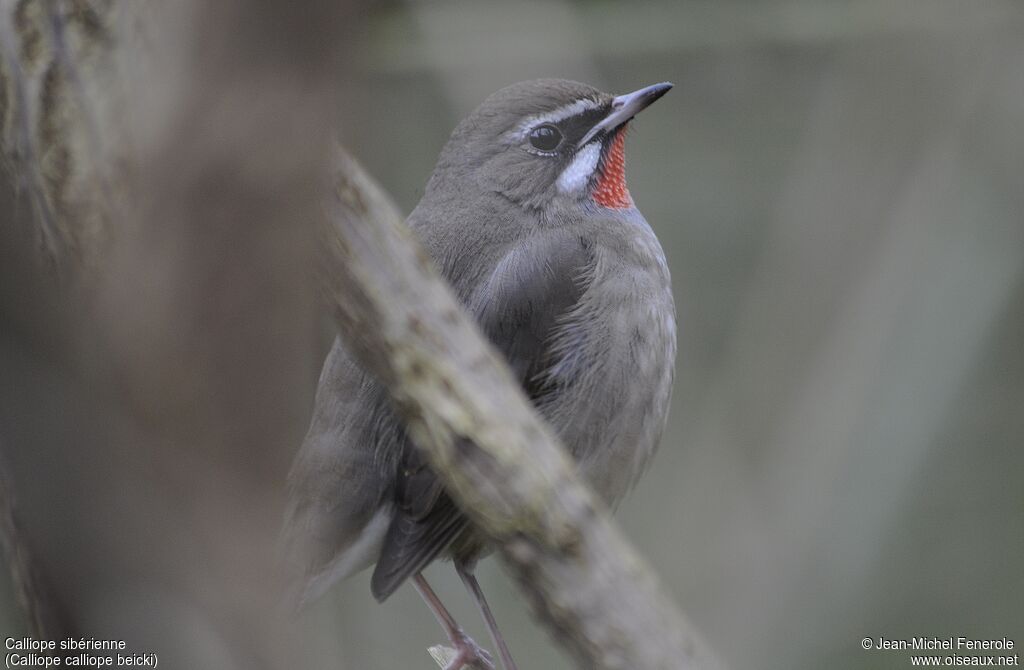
<point>498,459</point>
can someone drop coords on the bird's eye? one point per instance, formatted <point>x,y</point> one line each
<point>546,137</point>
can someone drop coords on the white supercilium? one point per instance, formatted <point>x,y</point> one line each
<point>562,113</point>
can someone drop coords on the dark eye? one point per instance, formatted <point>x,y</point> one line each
<point>546,137</point>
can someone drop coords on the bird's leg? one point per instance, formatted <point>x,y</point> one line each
<point>469,579</point>
<point>467,652</point>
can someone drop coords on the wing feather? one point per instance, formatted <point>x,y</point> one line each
<point>525,300</point>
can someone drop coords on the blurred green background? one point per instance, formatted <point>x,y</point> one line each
<point>839,187</point>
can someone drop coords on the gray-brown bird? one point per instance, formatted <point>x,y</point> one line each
<point>527,215</point>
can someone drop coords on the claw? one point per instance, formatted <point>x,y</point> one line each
<point>469,653</point>
<point>466,655</point>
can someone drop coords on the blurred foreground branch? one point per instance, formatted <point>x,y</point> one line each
<point>31,589</point>
<point>186,233</point>
<point>152,395</point>
<point>500,461</point>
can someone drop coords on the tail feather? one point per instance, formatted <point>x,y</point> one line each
<point>411,544</point>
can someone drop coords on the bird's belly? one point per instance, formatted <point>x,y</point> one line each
<point>612,414</point>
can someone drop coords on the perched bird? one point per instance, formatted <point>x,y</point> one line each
<point>527,215</point>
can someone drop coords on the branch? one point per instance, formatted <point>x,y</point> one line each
<point>44,617</point>
<point>502,464</point>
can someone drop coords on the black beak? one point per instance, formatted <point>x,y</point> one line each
<point>624,108</point>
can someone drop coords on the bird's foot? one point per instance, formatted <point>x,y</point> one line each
<point>466,654</point>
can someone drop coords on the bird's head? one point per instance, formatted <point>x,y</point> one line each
<point>540,140</point>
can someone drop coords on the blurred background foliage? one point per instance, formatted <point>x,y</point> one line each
<point>839,187</point>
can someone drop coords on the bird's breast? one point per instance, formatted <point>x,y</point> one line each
<point>619,347</point>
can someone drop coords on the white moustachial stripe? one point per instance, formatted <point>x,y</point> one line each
<point>575,177</point>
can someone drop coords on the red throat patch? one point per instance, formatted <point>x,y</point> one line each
<point>611,190</point>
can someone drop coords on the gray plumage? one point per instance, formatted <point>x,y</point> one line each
<point>575,295</point>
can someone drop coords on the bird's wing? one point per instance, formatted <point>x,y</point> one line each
<point>425,522</point>
<point>527,300</point>
<point>527,296</point>
<point>334,519</point>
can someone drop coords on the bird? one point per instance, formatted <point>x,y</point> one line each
<point>528,217</point>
